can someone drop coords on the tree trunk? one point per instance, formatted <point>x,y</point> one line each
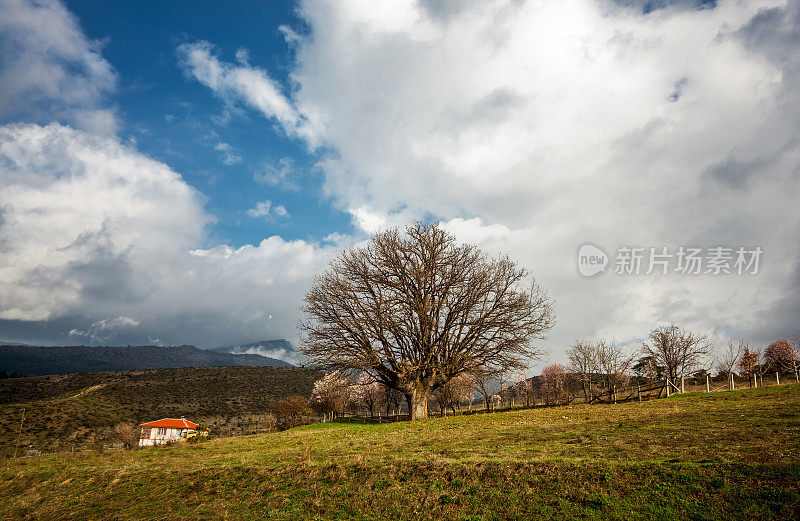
<point>418,402</point>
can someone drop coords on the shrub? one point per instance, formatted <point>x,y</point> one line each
<point>127,434</point>
<point>291,412</point>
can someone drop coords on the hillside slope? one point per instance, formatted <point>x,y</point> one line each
<point>727,455</point>
<point>73,411</point>
<point>40,360</point>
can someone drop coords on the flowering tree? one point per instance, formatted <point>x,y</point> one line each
<point>330,394</point>
<point>553,378</point>
<point>782,356</point>
<point>367,393</point>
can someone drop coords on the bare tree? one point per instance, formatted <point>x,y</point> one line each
<point>678,350</point>
<point>583,361</point>
<point>614,366</point>
<point>727,361</point>
<point>553,378</point>
<point>730,357</point>
<point>127,434</point>
<point>485,383</point>
<point>455,392</point>
<point>416,309</point>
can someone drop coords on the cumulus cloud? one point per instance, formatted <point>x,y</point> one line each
<point>531,128</point>
<point>50,70</point>
<point>266,209</point>
<point>101,243</point>
<point>229,157</point>
<point>97,238</point>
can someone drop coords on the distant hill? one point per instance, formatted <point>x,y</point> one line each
<point>40,360</point>
<point>63,412</point>
<point>280,349</point>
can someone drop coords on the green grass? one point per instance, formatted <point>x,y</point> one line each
<point>732,455</point>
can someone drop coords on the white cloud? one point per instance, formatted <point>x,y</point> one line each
<point>50,70</point>
<point>94,234</point>
<point>244,84</point>
<point>266,209</point>
<point>282,174</point>
<point>104,330</point>
<point>228,155</point>
<point>531,128</point>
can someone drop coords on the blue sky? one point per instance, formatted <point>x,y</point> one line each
<point>180,122</point>
<point>178,172</point>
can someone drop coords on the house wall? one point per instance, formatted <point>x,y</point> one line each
<point>160,436</point>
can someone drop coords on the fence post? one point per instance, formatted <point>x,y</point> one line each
<point>777,378</point>
<point>733,383</point>
<point>639,392</point>
<point>668,384</point>
<point>708,384</point>
<point>681,384</point>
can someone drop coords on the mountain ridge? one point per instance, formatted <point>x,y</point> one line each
<point>44,360</point>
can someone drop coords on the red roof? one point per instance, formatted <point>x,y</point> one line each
<point>173,423</point>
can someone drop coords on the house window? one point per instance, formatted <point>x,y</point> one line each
<point>162,431</point>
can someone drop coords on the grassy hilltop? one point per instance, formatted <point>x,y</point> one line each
<point>729,455</point>
<point>64,412</point>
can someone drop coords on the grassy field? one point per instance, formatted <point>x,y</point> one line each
<point>67,412</point>
<point>731,455</point>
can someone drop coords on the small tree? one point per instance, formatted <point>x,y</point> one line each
<point>127,434</point>
<point>677,350</point>
<point>781,356</point>
<point>553,379</point>
<point>485,383</point>
<point>614,365</point>
<point>367,393</point>
<point>748,364</point>
<point>583,361</point>
<point>330,394</point>
<point>291,412</point>
<point>730,356</point>
<point>455,392</point>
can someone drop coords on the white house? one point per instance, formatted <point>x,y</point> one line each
<point>167,430</point>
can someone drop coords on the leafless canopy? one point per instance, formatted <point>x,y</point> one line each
<point>417,309</point>
<point>730,356</point>
<point>614,364</point>
<point>678,350</point>
<point>583,361</point>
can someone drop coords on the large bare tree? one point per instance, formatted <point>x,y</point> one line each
<point>417,309</point>
<point>677,349</point>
